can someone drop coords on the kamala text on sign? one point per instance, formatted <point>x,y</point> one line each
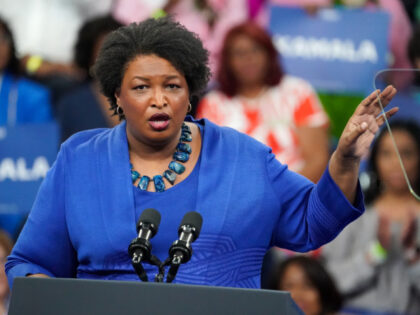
<point>326,49</point>
<point>337,50</point>
<point>26,154</point>
<point>19,169</point>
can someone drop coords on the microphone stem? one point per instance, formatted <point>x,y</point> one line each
<point>140,271</point>
<point>173,270</point>
<point>172,273</point>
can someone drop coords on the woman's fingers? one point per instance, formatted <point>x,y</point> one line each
<point>381,119</point>
<point>372,103</point>
<point>370,99</point>
<point>386,96</point>
<point>383,99</point>
<point>365,122</point>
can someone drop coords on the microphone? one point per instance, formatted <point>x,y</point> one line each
<point>140,248</point>
<point>180,251</point>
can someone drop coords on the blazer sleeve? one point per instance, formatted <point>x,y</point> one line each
<point>44,245</point>
<point>310,214</point>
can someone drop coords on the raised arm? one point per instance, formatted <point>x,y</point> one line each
<point>356,138</point>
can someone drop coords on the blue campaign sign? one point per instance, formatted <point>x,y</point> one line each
<point>337,50</point>
<point>26,154</point>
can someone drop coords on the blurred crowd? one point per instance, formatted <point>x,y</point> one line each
<point>373,267</point>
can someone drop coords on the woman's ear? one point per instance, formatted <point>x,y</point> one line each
<point>117,95</point>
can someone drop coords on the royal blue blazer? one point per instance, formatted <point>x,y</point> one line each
<point>84,216</point>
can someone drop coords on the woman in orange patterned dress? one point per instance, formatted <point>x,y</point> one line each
<point>254,96</point>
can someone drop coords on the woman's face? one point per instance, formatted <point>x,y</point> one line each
<point>248,61</point>
<point>302,291</point>
<point>154,97</point>
<point>389,169</point>
<point>5,50</point>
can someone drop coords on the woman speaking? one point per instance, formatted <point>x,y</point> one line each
<point>86,210</point>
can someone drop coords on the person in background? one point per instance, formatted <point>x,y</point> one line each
<point>256,97</point>
<point>6,245</point>
<point>85,107</point>
<point>46,36</point>
<point>340,105</point>
<point>22,100</point>
<point>376,260</point>
<point>50,31</point>
<point>309,284</point>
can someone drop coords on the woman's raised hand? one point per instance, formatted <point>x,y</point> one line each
<point>356,139</point>
<point>362,126</point>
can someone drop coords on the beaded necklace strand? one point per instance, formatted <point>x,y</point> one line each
<point>181,154</point>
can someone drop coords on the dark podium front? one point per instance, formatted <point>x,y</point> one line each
<point>89,297</point>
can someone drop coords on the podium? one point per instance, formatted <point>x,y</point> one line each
<point>38,296</point>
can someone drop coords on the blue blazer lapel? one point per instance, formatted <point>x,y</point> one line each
<point>117,201</point>
<point>218,162</point>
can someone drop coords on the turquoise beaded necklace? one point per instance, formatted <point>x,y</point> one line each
<point>182,154</point>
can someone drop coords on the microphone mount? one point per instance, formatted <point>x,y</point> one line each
<point>180,251</point>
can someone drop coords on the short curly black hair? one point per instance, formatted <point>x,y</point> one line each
<point>162,37</point>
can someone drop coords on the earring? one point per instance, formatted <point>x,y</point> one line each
<point>119,110</point>
<point>189,107</point>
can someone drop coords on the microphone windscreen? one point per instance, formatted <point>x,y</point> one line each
<point>151,216</point>
<point>194,219</point>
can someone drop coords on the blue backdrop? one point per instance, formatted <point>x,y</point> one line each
<point>337,50</point>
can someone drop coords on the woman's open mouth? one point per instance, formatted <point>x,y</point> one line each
<point>159,121</point>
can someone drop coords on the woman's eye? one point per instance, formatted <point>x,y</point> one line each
<point>173,86</point>
<point>140,87</point>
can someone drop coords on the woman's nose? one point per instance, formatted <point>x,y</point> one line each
<point>159,98</point>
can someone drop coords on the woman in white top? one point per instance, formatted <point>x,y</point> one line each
<point>376,260</point>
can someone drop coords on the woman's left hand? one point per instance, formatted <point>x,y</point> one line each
<point>356,139</point>
<point>362,126</point>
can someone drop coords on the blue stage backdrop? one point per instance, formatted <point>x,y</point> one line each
<point>337,50</point>
<point>26,154</point>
